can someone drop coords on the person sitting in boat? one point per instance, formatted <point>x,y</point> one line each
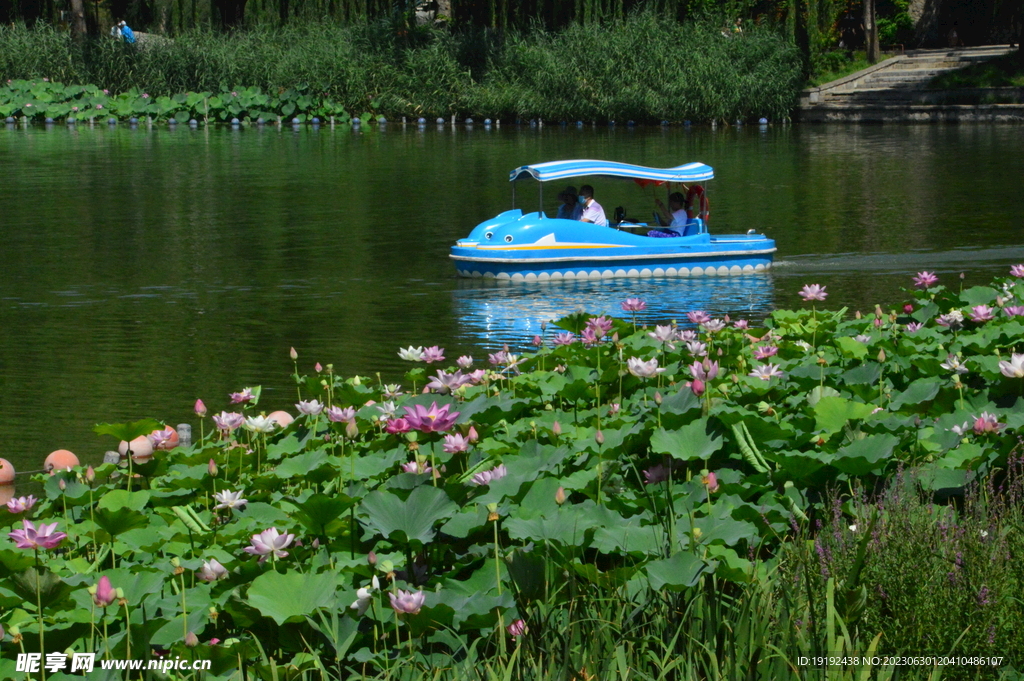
<point>592,210</point>
<point>675,215</point>
<point>570,208</point>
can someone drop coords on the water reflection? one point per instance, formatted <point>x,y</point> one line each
<point>492,313</point>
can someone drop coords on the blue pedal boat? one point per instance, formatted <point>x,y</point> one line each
<point>517,246</point>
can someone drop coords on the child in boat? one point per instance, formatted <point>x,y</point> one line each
<point>570,208</point>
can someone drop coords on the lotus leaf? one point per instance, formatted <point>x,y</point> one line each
<point>679,572</point>
<point>411,520</point>
<point>690,442</point>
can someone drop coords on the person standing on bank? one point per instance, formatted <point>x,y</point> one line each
<point>126,33</point>
<point>592,210</point>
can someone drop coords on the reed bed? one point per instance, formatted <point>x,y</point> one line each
<point>643,68</point>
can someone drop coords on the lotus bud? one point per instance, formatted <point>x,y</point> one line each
<point>881,355</point>
<point>727,319</point>
<point>200,409</point>
<point>735,378</point>
<point>211,468</point>
<point>560,496</point>
<point>599,437</point>
<point>538,341</point>
<point>556,428</point>
<point>719,352</point>
<point>961,276</point>
<point>908,308</point>
<point>63,485</point>
<point>1,632</point>
<point>657,397</point>
<point>356,380</point>
<point>318,367</point>
<point>371,558</point>
<point>544,326</point>
<point>472,435</point>
<point>615,337</point>
<point>351,430</point>
<point>697,386</point>
<point>294,355</point>
<point>878,322</point>
<point>191,640</point>
<point>857,315</point>
<point>90,474</point>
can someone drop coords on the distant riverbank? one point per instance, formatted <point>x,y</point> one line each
<point>642,69</point>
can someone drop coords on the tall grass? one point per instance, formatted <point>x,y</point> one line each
<point>643,68</point>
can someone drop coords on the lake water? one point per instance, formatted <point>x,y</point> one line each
<point>143,269</point>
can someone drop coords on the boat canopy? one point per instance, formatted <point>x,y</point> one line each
<point>560,170</point>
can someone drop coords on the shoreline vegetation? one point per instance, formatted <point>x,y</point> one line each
<point>628,499</point>
<point>642,69</point>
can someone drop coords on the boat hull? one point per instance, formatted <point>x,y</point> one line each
<point>517,247</point>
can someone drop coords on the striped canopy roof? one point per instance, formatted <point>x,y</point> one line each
<point>560,170</point>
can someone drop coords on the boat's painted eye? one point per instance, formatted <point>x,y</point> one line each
<point>488,236</point>
<point>508,238</point>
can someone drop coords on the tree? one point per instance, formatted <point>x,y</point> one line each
<point>78,27</point>
<point>870,31</point>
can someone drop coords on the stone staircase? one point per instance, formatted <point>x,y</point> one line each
<point>897,89</point>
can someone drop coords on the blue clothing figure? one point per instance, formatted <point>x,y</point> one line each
<point>570,208</point>
<point>126,33</point>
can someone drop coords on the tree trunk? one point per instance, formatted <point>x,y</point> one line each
<point>78,28</point>
<point>870,32</point>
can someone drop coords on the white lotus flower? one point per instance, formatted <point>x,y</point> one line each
<point>260,424</point>
<point>411,354</point>
<point>1014,368</point>
<point>229,499</point>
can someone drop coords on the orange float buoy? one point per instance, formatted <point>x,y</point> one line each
<point>171,443</point>
<point>60,460</point>
<point>6,472</point>
<point>282,418</point>
<point>142,449</point>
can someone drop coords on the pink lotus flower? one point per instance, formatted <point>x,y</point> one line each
<point>433,354</point>
<point>908,308</point>
<point>766,372</point>
<point>642,369</point>
<point>455,443</point>
<point>200,409</point>
<point>704,371</point>
<point>710,481</point>
<point>498,358</point>
<point>336,414</point>
<point>1012,369</point>
<point>416,467</point>
<point>600,325</point>
<point>310,407</point>
<point>397,426</point>
<point>1014,310</point>
<point>145,96</point>
<point>613,408</point>
<point>953,319</point>
<point>103,594</point>
<point>99,106</point>
<point>1017,271</point>
<point>696,348</point>
<point>106,91</point>
<point>687,335</point>
<point>240,397</point>
<point>464,362</point>
<point>517,628</point>
<point>270,542</point>
<point>32,538</point>
<point>763,352</point>
<point>21,504</point>
<point>564,338</point>
<point>813,292</point>
<point>655,474</point>
<point>914,327</point>
<point>407,602</point>
<point>445,383</point>
<point>227,421</point>
<point>537,341</point>
<point>664,334</point>
<point>741,324</point>
<point>714,325</point>
<point>632,305</point>
<point>433,420</point>
<point>211,571</point>
<point>987,423</point>
<point>982,313</point>
<point>161,437</point>
<point>698,317</point>
<point>925,280</point>
<point>589,337</point>
<point>487,477</point>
